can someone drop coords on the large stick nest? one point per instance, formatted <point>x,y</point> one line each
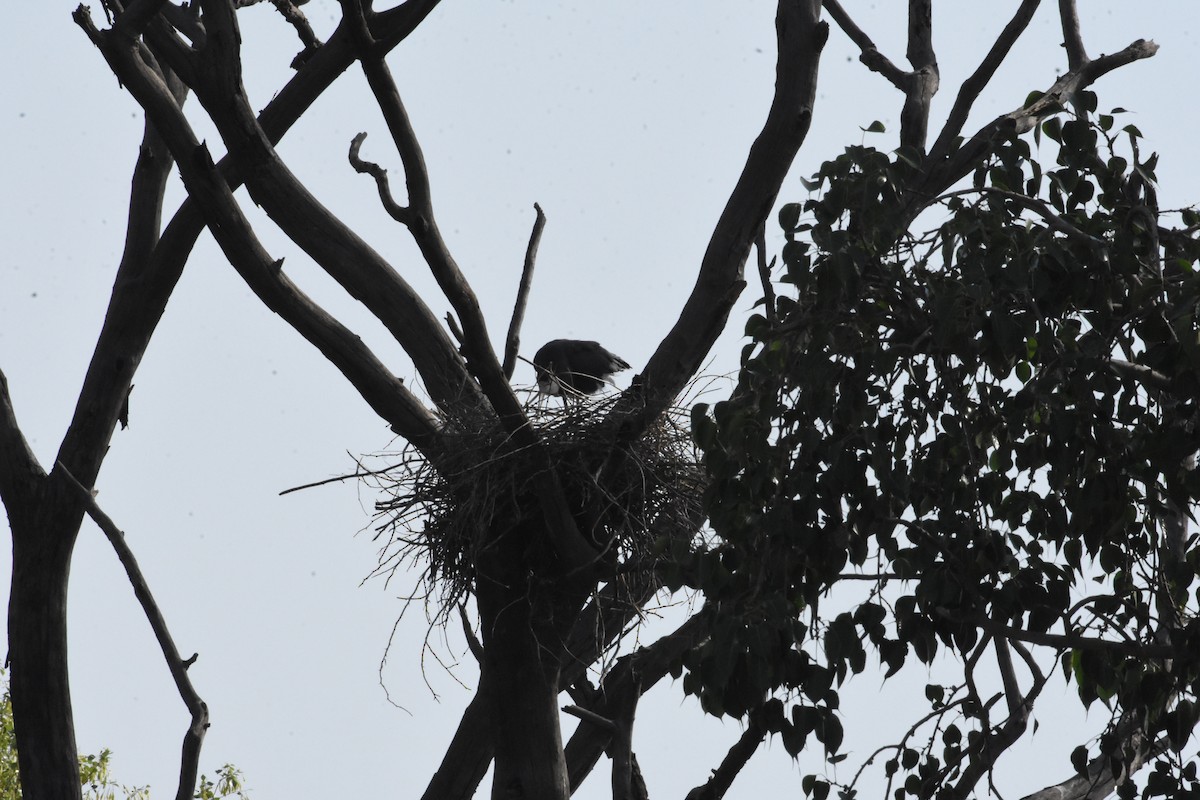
<point>631,501</point>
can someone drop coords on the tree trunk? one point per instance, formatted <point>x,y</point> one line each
<point>521,661</point>
<point>43,540</point>
<point>527,608</point>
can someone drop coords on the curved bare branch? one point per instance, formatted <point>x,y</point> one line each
<point>801,36</point>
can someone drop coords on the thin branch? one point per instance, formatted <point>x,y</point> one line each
<point>591,717</point>
<point>472,640</point>
<point>1066,642</point>
<point>869,54</point>
<point>512,343</point>
<point>974,85</point>
<point>1072,38</point>
<point>1039,207</point>
<point>1008,676</point>
<point>194,738</point>
<point>764,275</point>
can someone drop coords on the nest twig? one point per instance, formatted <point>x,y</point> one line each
<point>632,502</point>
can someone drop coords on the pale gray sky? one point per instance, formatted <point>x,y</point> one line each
<point>628,123</point>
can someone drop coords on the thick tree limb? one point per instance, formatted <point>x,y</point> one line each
<point>386,393</point>
<point>512,342</point>
<point>190,761</point>
<point>145,281</point>
<point>604,620</point>
<point>623,782</point>
<point>360,270</point>
<point>924,79</point>
<point>801,36</point>
<point>1100,781</point>
<point>1072,38</point>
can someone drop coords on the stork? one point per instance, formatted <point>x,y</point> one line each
<point>574,366</point>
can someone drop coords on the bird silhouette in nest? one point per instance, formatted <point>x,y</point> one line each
<point>574,367</point>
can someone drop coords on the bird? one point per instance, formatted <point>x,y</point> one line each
<point>580,367</point>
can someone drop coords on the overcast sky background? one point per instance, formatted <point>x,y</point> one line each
<point>628,122</point>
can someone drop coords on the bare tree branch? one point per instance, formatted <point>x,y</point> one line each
<point>1100,781</point>
<point>869,54</point>
<point>19,468</point>
<point>386,393</point>
<point>1072,38</point>
<point>190,760</point>
<point>971,88</point>
<point>944,171</point>
<point>924,79</point>
<point>400,213</point>
<point>622,747</point>
<point>133,20</point>
<point>359,269</point>
<point>801,36</point>
<point>648,665</point>
<point>512,342</point>
<point>591,717</point>
<point>295,17</point>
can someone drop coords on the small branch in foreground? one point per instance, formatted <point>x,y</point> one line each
<point>592,717</point>
<point>512,343</point>
<point>192,740</point>
<point>869,54</point>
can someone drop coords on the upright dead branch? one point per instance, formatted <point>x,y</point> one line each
<point>512,342</point>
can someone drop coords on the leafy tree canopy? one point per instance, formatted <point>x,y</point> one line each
<point>985,405</point>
